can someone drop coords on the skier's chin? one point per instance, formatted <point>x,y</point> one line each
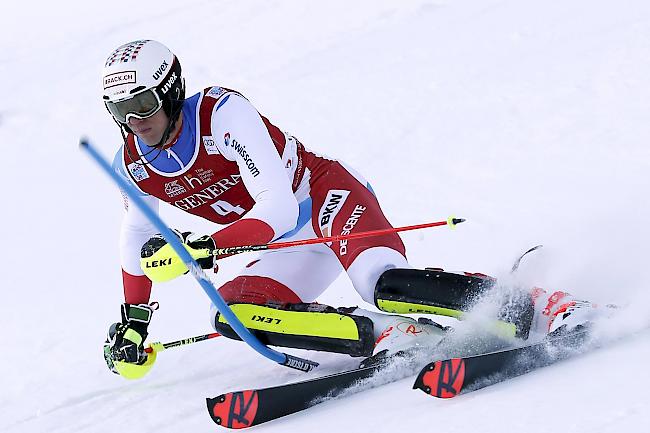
<point>149,138</point>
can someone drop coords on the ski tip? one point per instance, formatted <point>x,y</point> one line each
<point>536,247</point>
<point>442,379</point>
<point>515,265</point>
<point>83,142</point>
<point>235,410</point>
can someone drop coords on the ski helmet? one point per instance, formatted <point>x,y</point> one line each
<point>140,78</point>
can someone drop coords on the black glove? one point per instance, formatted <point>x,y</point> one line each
<point>198,243</point>
<point>160,262</point>
<point>125,340</point>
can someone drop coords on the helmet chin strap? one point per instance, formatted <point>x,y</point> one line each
<point>159,146</point>
<point>168,131</point>
<point>173,118</point>
<point>128,151</point>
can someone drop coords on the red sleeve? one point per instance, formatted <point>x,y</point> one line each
<point>244,232</point>
<point>137,288</point>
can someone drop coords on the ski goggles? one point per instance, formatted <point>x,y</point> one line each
<point>140,106</point>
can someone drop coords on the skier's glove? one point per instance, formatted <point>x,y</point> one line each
<point>160,262</point>
<point>124,349</point>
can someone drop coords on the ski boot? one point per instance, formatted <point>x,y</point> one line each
<point>561,313</point>
<point>401,337</point>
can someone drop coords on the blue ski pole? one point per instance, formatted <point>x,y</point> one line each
<point>195,269</point>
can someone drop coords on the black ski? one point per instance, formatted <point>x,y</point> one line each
<point>450,377</point>
<point>247,408</point>
<point>242,409</point>
<point>515,265</point>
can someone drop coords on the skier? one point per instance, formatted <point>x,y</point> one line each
<point>213,155</point>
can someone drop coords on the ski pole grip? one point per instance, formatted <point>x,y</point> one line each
<point>452,222</point>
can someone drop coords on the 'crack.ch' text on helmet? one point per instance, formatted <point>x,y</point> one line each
<point>140,78</point>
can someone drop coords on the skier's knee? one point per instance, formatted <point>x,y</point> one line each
<point>369,265</point>
<point>252,289</point>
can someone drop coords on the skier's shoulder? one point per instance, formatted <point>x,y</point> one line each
<point>124,154</point>
<point>118,161</point>
<point>226,108</point>
<point>224,102</point>
<point>120,167</point>
<point>221,93</point>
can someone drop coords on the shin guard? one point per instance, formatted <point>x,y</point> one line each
<point>428,291</point>
<point>304,326</point>
<point>433,291</point>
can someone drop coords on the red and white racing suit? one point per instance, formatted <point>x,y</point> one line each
<point>232,166</point>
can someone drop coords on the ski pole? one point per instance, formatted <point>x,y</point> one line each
<point>196,271</point>
<point>451,222</point>
<point>159,347</point>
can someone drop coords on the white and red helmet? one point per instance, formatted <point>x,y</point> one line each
<point>141,77</point>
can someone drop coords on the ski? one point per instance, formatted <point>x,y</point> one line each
<point>453,376</point>
<point>242,409</point>
<point>247,408</point>
<point>515,265</point>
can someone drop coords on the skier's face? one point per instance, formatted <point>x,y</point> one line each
<point>151,129</point>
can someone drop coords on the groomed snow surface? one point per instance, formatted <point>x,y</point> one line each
<point>529,118</point>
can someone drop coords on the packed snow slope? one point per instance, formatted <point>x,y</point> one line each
<point>530,118</point>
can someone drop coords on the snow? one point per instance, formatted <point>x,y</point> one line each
<point>528,118</point>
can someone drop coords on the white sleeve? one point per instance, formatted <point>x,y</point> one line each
<point>136,229</point>
<point>242,137</point>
